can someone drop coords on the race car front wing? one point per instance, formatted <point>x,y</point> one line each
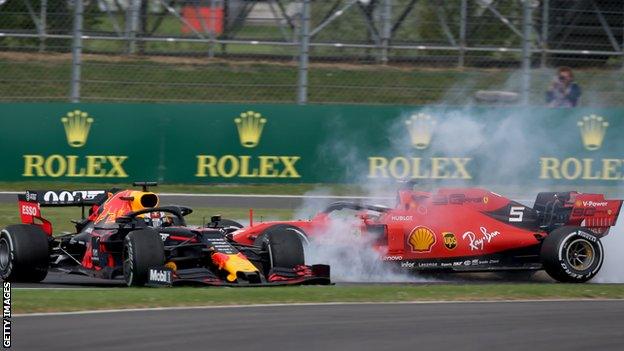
<point>318,274</point>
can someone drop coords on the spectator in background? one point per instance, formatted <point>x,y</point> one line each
<point>563,91</point>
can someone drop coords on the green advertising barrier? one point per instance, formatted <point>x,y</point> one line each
<point>232,143</point>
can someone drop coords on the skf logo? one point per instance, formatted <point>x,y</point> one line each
<point>77,124</point>
<point>450,242</point>
<point>420,128</point>
<point>593,129</point>
<point>421,239</point>
<point>250,125</point>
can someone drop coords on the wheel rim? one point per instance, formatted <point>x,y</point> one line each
<point>580,254</point>
<point>5,253</point>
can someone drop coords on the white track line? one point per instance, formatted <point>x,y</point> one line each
<point>149,309</point>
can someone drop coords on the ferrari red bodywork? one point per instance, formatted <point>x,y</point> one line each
<point>475,230</point>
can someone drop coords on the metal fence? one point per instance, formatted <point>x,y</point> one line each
<point>317,51</point>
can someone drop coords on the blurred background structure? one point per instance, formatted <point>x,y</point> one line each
<point>309,51</point>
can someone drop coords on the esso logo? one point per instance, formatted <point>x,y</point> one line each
<point>30,210</point>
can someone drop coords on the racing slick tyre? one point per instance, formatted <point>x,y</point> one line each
<point>284,245</point>
<point>142,249</point>
<point>572,254</point>
<point>24,253</point>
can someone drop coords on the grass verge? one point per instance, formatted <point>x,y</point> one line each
<point>199,79</point>
<point>50,300</point>
<point>278,189</point>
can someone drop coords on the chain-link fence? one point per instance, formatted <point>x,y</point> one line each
<point>318,51</point>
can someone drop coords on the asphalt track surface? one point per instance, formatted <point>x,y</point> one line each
<point>545,325</point>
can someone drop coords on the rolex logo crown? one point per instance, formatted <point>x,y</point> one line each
<point>420,128</point>
<point>250,125</point>
<point>77,124</point>
<point>593,129</point>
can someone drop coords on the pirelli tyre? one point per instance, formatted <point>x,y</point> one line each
<point>572,254</point>
<point>284,246</point>
<point>142,249</point>
<point>24,253</point>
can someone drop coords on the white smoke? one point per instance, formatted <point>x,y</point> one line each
<point>612,270</point>
<point>502,171</point>
<point>342,246</point>
<point>351,255</point>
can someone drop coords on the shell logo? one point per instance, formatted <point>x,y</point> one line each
<point>421,239</point>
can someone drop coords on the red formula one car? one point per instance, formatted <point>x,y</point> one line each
<point>474,230</point>
<point>127,234</point>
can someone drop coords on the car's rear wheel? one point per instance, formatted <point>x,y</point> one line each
<point>24,253</point>
<point>284,246</point>
<point>572,254</point>
<point>143,249</point>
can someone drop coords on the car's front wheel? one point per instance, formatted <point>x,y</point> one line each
<point>284,246</point>
<point>572,254</point>
<point>143,249</point>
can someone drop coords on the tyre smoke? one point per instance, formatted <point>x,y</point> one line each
<point>612,270</point>
<point>351,255</point>
<point>457,133</point>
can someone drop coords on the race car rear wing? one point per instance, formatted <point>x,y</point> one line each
<point>578,209</point>
<point>30,203</point>
<point>64,197</point>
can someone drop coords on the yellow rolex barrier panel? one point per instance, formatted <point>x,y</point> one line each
<point>231,143</point>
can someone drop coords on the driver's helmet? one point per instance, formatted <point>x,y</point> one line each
<point>157,219</point>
